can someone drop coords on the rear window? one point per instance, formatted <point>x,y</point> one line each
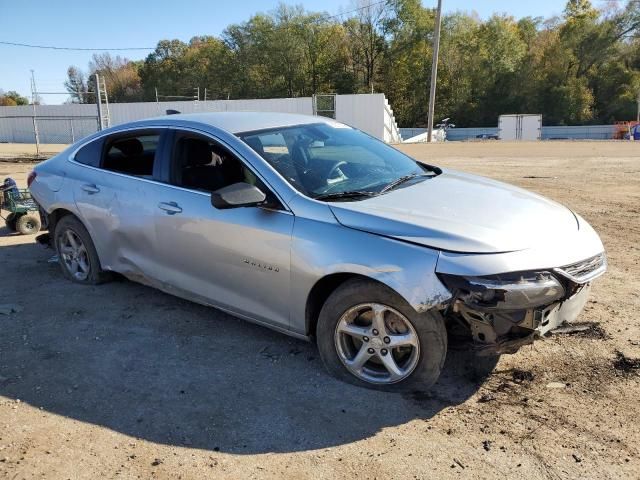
<point>90,153</point>
<point>132,155</point>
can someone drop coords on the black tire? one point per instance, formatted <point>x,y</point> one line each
<point>96,274</point>
<point>28,224</point>
<point>10,222</point>
<point>429,327</point>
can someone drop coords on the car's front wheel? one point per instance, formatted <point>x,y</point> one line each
<point>76,253</point>
<point>369,336</point>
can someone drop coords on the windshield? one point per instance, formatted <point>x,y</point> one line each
<point>335,161</point>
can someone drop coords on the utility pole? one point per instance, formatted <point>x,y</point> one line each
<point>638,115</point>
<point>99,103</point>
<point>157,101</point>
<point>34,100</point>
<point>434,71</point>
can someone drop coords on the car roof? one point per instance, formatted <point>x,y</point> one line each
<point>238,122</point>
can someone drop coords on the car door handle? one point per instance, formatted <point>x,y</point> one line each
<point>170,207</point>
<point>90,188</point>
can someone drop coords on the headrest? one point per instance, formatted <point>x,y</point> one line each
<point>256,144</point>
<point>129,146</point>
<point>197,152</point>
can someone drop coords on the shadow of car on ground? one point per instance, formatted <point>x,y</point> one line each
<point>151,366</point>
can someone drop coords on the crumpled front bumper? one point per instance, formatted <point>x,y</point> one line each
<point>538,323</point>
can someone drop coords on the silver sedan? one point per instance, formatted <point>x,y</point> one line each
<point>322,232</point>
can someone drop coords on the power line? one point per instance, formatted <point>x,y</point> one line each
<point>85,49</point>
<point>354,10</point>
<point>51,47</point>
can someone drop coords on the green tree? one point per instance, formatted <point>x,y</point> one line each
<point>12,99</point>
<point>76,85</point>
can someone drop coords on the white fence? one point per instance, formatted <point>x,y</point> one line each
<point>579,132</point>
<point>368,112</point>
<point>51,129</point>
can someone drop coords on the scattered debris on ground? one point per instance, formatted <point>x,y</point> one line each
<point>556,385</point>
<point>521,376</point>
<point>486,397</point>
<point>624,364</point>
<point>582,329</point>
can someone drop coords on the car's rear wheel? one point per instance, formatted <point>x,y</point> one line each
<point>76,253</point>
<point>369,336</point>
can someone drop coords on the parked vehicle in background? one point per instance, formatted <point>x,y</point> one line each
<point>487,136</point>
<point>318,230</point>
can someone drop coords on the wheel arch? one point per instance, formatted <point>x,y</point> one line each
<point>56,215</point>
<point>321,291</point>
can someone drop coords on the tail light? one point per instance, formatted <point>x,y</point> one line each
<point>32,176</point>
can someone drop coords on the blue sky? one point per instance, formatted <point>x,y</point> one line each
<point>141,24</point>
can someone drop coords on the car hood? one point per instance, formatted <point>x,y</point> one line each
<point>460,212</point>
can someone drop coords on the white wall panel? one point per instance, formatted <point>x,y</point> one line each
<point>369,113</point>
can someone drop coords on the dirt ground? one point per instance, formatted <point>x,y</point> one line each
<point>22,150</point>
<point>122,381</point>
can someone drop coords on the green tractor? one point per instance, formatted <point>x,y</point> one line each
<point>24,215</point>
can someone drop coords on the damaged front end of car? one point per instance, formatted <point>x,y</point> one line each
<point>507,311</point>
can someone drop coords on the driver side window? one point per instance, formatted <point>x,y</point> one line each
<point>199,163</point>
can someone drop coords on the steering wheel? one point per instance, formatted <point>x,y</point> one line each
<point>335,168</point>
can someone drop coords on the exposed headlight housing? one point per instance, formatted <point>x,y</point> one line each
<point>510,291</point>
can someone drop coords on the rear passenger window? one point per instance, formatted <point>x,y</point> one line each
<point>132,155</point>
<point>90,153</point>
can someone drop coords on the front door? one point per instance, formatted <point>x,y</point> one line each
<point>237,259</point>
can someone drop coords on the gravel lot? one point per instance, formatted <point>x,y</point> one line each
<point>122,381</point>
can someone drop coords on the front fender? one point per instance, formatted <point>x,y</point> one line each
<point>321,248</point>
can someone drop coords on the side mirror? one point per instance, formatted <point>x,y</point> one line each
<point>237,195</point>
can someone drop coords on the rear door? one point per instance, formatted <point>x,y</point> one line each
<point>117,195</point>
<point>237,258</point>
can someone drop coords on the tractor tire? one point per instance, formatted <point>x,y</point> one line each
<point>28,224</point>
<point>10,221</point>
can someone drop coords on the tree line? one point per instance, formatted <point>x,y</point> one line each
<point>12,99</point>
<point>582,67</point>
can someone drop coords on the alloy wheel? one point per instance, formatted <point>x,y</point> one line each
<point>377,343</point>
<point>74,254</point>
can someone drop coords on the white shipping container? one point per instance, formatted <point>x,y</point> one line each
<point>520,127</point>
